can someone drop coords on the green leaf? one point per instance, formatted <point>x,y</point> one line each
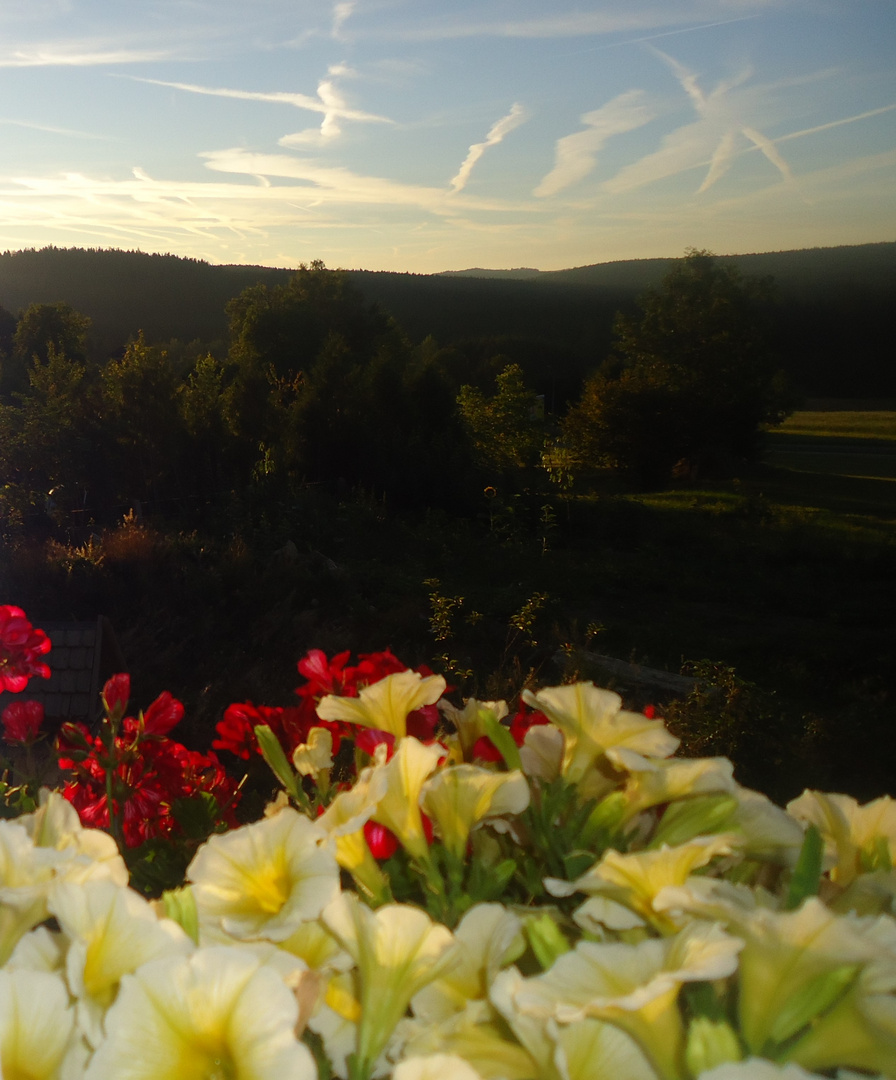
<point>196,815</point>
<point>501,739</point>
<point>272,752</point>
<point>807,873</point>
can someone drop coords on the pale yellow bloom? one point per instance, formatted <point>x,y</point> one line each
<point>461,797</point>
<point>634,880</point>
<point>38,1038</point>
<point>41,949</point>
<point>398,949</point>
<point>91,853</point>
<point>593,721</point>
<point>385,705</point>
<point>633,986</point>
<point>26,873</point>
<point>541,754</point>
<point>435,1067</point>
<point>757,1069</point>
<point>860,1030</point>
<point>315,756</point>
<point>264,879</point>
<point>112,930</point>
<point>488,938</point>
<point>794,966</point>
<point>594,1048</point>
<point>343,823</point>
<point>398,808</point>
<point>479,1036</point>
<point>652,781</point>
<point>336,1020</point>
<point>219,1013</point>
<point>469,720</point>
<point>857,838</point>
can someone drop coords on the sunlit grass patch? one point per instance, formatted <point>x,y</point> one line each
<point>847,424</point>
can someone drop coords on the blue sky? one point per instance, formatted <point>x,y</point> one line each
<point>425,135</point>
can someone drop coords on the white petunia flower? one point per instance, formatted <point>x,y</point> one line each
<point>593,721</point>
<point>26,873</point>
<point>461,797</point>
<point>633,986</point>
<point>38,1038</point>
<point>488,938</point>
<point>398,949</point>
<point>90,853</point>
<point>219,1013</point>
<point>111,930</point>
<point>264,879</point>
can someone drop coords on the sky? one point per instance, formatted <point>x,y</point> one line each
<point>429,135</point>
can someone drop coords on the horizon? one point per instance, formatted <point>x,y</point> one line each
<point>416,137</point>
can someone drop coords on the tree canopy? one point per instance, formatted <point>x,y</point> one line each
<point>691,379</point>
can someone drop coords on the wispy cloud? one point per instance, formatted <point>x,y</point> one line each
<point>722,119</point>
<point>74,54</point>
<point>341,14</point>
<point>496,133</point>
<point>340,185</point>
<point>329,102</point>
<point>335,109</point>
<point>576,155</point>
<point>632,17</point>
<point>51,130</point>
<point>836,123</point>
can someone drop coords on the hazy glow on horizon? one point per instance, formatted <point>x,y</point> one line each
<point>423,135</point>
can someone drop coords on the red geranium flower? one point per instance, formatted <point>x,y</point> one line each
<point>20,647</point>
<point>116,694</point>
<point>21,721</point>
<point>164,713</point>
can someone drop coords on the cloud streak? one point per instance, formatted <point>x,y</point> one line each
<point>575,155</point>
<point>496,134</point>
<point>78,55</point>
<point>333,107</point>
<point>714,135</point>
<point>612,19</point>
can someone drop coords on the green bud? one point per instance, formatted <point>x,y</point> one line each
<point>546,939</point>
<point>604,821</point>
<point>180,905</point>
<point>702,815</point>
<point>710,1043</point>
<point>272,752</point>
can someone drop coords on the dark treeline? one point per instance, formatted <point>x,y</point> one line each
<point>833,308</point>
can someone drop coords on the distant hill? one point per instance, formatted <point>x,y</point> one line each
<point>519,273</point>
<point>835,312</point>
<point>124,292</point>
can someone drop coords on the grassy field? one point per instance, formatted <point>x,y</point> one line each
<point>850,424</point>
<point>856,445</point>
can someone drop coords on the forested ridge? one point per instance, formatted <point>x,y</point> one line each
<point>834,306</point>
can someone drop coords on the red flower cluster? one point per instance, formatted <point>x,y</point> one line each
<point>21,646</point>
<point>150,773</point>
<point>21,721</point>
<point>291,724</point>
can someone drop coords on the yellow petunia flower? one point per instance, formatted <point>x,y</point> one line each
<point>385,705</point>
<point>264,879</point>
<point>593,721</point>
<point>221,1013</point>
<point>461,797</point>
<point>397,949</point>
